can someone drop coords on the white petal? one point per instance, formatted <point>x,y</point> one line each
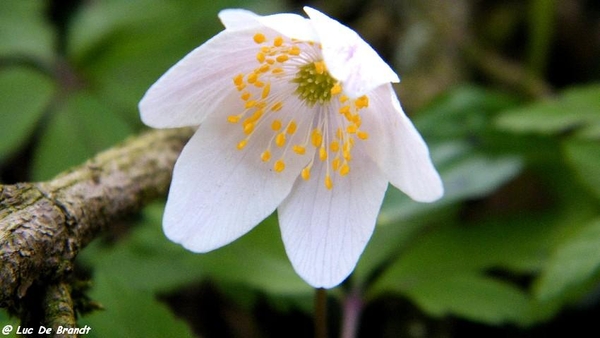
<point>238,19</point>
<point>349,58</point>
<point>398,148</point>
<point>218,193</point>
<point>291,25</point>
<point>325,231</point>
<point>196,86</point>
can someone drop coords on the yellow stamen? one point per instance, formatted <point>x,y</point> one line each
<point>260,57</point>
<point>238,80</point>
<point>250,104</point>
<point>336,89</point>
<point>265,156</point>
<point>305,173</point>
<point>335,164</point>
<point>279,166</point>
<point>282,58</point>
<point>295,50</point>
<point>278,41</point>
<point>242,144</point>
<point>328,182</point>
<point>259,38</point>
<point>264,68</point>
<point>291,128</point>
<point>345,169</point>
<point>266,90</point>
<point>320,67</point>
<point>233,118</point>
<point>362,102</point>
<point>344,110</point>
<point>363,135</point>
<point>300,150</point>
<point>322,154</point>
<point>316,138</point>
<point>334,146</point>
<point>276,125</point>
<point>277,106</point>
<point>248,127</point>
<point>280,139</point>
<point>252,77</point>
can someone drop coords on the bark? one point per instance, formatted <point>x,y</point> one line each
<point>44,225</point>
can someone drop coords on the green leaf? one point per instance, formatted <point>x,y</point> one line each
<point>577,108</point>
<point>79,129</point>
<point>25,30</point>
<point>24,95</point>
<point>466,174</point>
<point>461,112</point>
<point>150,261</point>
<point>130,312</point>
<point>445,259</point>
<point>584,158</point>
<point>575,261</point>
<point>474,297</point>
<point>122,47</point>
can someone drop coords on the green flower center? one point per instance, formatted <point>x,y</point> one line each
<point>314,83</point>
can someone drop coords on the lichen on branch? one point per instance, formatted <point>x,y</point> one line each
<point>44,225</point>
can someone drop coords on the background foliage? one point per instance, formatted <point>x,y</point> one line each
<point>506,93</point>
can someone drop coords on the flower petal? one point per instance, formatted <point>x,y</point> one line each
<point>349,58</point>
<point>291,25</point>
<point>234,18</point>
<point>195,86</point>
<point>398,148</point>
<point>325,231</point>
<point>218,193</point>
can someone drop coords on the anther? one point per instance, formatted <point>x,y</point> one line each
<point>279,166</point>
<point>238,80</point>
<point>298,149</point>
<point>252,77</point>
<point>345,169</point>
<point>280,139</point>
<point>291,128</point>
<point>362,102</point>
<point>233,118</point>
<point>336,89</point>
<point>322,154</point>
<point>316,138</point>
<point>265,156</point>
<point>363,135</point>
<point>276,125</point>
<point>328,182</point>
<point>259,38</point>
<point>305,173</point>
<point>242,144</point>
<point>282,58</point>
<point>278,41</point>
<point>266,90</point>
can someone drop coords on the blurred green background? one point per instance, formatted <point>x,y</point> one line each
<point>506,93</point>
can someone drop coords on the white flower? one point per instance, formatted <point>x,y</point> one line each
<point>294,114</point>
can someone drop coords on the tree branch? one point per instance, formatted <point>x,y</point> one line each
<point>44,225</point>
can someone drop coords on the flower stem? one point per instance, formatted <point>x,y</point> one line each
<point>320,313</point>
<point>353,305</point>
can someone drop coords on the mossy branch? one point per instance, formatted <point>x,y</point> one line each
<point>43,226</point>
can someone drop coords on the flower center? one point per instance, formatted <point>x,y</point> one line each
<point>314,83</point>
<point>330,126</point>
